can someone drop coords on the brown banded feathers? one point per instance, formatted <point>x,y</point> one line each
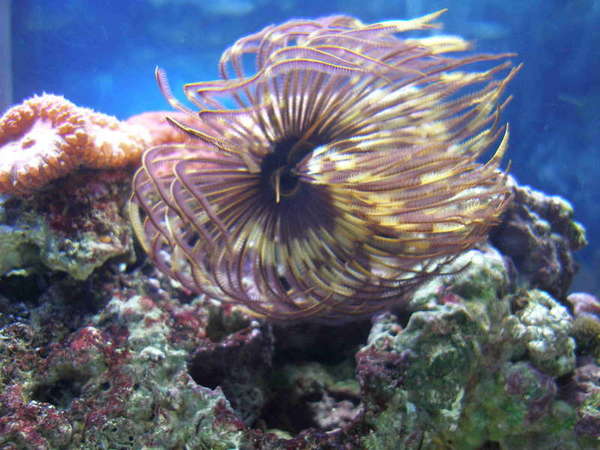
<point>335,167</point>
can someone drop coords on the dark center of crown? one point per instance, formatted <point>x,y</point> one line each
<point>278,168</point>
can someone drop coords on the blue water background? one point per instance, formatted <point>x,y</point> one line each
<point>102,53</point>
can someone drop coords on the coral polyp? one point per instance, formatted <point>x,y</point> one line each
<point>47,137</point>
<point>336,176</point>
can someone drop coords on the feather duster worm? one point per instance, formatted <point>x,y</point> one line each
<point>335,177</point>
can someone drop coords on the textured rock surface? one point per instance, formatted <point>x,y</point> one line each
<point>113,355</point>
<point>74,227</point>
<point>122,381</point>
<point>586,327</point>
<point>475,368</point>
<point>539,234</point>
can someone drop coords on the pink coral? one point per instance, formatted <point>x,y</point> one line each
<point>46,137</point>
<point>160,129</point>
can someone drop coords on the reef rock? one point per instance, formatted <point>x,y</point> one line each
<point>476,367</point>
<point>539,235</point>
<point>122,381</point>
<point>115,355</point>
<point>74,228</point>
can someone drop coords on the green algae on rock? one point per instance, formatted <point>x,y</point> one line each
<point>472,368</point>
<point>116,355</point>
<point>74,228</point>
<point>120,382</point>
<point>543,329</point>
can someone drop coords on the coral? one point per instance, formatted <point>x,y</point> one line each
<point>47,137</point>
<point>160,129</point>
<point>539,234</point>
<point>75,224</point>
<point>345,175</point>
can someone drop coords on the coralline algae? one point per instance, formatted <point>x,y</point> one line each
<point>74,227</point>
<point>114,355</point>
<point>477,369</point>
